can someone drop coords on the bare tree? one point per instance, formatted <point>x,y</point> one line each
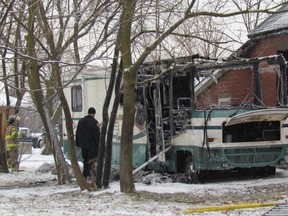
<point>105,146</point>
<point>13,68</point>
<point>57,34</point>
<point>83,24</point>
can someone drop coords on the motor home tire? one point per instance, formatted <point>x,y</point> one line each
<point>268,170</point>
<point>191,171</point>
<point>265,171</point>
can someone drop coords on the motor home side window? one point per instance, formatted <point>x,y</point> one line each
<point>76,96</point>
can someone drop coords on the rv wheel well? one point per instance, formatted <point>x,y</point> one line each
<point>183,157</point>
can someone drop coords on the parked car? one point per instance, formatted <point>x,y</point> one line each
<point>37,140</point>
<point>29,136</point>
<point>25,134</point>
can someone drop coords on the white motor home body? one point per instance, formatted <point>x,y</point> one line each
<point>89,90</point>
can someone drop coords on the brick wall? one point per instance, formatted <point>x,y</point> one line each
<point>269,85</point>
<point>269,46</point>
<point>238,85</point>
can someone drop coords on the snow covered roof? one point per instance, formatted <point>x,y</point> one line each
<point>275,23</point>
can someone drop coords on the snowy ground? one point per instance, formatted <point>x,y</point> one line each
<point>31,193</point>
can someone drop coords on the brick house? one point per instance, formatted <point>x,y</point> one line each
<point>261,83</point>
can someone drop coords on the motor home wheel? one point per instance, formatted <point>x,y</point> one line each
<point>268,170</point>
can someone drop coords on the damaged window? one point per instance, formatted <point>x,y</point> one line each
<point>167,105</point>
<point>252,132</point>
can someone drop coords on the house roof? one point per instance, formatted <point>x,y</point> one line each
<point>273,24</point>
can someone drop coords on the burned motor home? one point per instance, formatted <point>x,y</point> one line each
<point>198,115</point>
<point>202,114</point>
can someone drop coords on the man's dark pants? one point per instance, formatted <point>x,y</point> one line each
<point>87,155</point>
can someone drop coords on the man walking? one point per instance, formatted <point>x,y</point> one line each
<point>87,138</point>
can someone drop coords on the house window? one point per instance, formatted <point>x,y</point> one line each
<point>76,95</point>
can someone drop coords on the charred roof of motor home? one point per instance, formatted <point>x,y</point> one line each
<point>201,66</point>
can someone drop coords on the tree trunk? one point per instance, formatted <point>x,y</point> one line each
<point>37,94</point>
<point>107,168</point>
<point>74,163</point>
<point>50,103</point>
<point>105,119</point>
<point>108,150</point>
<point>3,163</point>
<point>126,176</point>
<point>69,127</point>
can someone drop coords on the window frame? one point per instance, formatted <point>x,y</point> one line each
<point>76,98</point>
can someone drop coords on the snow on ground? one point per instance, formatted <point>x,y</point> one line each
<point>37,197</point>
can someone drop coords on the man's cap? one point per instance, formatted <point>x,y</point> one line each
<point>91,110</point>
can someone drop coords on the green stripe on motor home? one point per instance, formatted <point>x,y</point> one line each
<point>136,136</point>
<point>203,127</point>
<point>94,78</point>
<point>217,113</point>
<point>86,79</point>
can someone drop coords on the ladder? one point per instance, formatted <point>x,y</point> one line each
<point>150,160</point>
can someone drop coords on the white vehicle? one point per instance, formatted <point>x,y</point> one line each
<point>26,133</point>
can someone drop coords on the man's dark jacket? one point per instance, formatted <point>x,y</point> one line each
<point>87,133</point>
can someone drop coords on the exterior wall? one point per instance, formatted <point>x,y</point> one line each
<point>238,85</point>
<point>269,80</point>
<point>268,46</point>
<point>269,84</point>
